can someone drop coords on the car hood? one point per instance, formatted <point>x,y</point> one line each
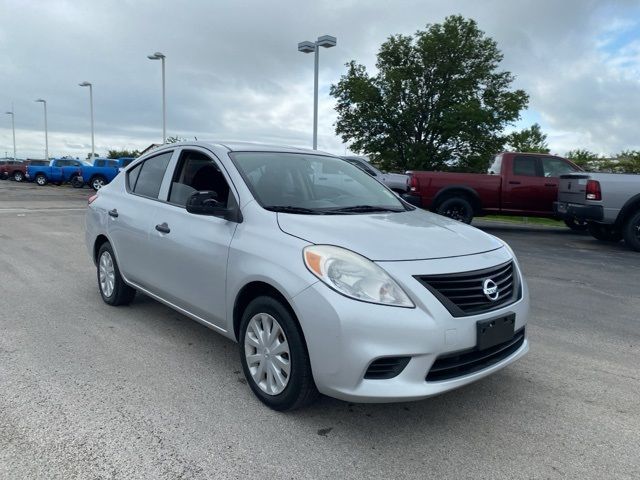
<point>411,235</point>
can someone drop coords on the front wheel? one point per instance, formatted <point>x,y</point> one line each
<point>576,225</point>
<point>457,208</point>
<point>274,356</point>
<point>76,182</point>
<point>604,233</point>
<point>18,176</point>
<point>41,180</point>
<point>632,232</point>
<point>112,287</point>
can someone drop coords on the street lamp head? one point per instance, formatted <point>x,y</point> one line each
<point>306,47</point>
<point>85,84</point>
<point>156,56</point>
<point>41,100</point>
<point>326,41</point>
<point>9,113</point>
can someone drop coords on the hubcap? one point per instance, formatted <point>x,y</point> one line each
<point>107,274</point>
<point>266,350</point>
<point>456,213</point>
<point>40,181</point>
<point>17,177</point>
<point>98,184</point>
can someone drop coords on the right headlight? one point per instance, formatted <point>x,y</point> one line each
<point>354,276</point>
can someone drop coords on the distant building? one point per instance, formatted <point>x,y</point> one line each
<point>149,148</point>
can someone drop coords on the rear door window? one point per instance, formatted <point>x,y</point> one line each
<point>525,165</point>
<point>149,175</point>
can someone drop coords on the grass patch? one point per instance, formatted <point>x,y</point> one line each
<point>525,220</point>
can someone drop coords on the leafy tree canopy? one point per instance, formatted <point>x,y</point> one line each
<point>528,140</point>
<point>123,153</point>
<point>437,101</point>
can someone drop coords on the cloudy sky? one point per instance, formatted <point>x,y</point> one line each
<point>234,72</point>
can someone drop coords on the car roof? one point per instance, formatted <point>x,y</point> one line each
<point>235,146</point>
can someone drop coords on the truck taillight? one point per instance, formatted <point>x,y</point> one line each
<point>593,190</point>
<point>414,185</point>
<point>92,198</point>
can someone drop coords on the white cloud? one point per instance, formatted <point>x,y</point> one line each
<point>233,70</point>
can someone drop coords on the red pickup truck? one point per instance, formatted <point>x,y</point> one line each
<point>522,184</point>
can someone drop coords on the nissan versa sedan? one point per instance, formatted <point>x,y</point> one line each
<point>341,289</point>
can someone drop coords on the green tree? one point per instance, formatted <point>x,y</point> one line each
<point>586,159</point>
<point>437,101</point>
<point>175,139</point>
<point>528,140</point>
<point>627,161</point>
<point>123,153</point>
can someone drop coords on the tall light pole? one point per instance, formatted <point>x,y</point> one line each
<point>326,41</point>
<point>160,56</point>
<point>46,132</point>
<point>13,126</point>
<point>93,145</point>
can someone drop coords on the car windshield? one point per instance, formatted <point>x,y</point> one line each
<point>313,184</point>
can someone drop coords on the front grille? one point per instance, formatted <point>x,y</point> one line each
<point>462,293</point>
<point>457,364</point>
<point>385,368</point>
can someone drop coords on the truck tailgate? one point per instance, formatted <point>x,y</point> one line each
<point>572,188</point>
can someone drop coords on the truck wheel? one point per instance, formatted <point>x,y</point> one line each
<point>112,287</point>
<point>98,182</point>
<point>274,356</point>
<point>575,224</point>
<point>631,232</point>
<point>18,176</point>
<point>76,182</point>
<point>457,208</point>
<point>604,233</point>
<point>41,180</point>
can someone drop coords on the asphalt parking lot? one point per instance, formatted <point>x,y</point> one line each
<point>91,391</point>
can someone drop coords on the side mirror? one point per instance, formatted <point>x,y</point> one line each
<point>206,203</point>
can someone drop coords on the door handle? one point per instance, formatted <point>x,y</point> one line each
<point>163,228</point>
<point>550,185</point>
<point>512,182</point>
<point>322,178</point>
<point>113,213</point>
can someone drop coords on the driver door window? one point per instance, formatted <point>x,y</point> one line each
<point>197,172</point>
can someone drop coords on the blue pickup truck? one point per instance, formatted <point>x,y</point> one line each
<point>58,170</point>
<point>103,171</point>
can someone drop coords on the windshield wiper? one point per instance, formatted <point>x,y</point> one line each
<point>292,209</point>
<point>365,209</point>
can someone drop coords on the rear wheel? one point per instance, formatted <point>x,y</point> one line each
<point>274,356</point>
<point>98,182</point>
<point>18,176</point>
<point>457,208</point>
<point>631,231</point>
<point>604,233</point>
<point>575,224</point>
<point>41,180</point>
<point>112,287</point>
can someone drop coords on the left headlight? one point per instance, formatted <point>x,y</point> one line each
<point>354,276</point>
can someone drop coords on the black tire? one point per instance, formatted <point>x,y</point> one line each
<point>631,231</point>
<point>18,176</point>
<point>97,182</point>
<point>457,208</point>
<point>121,294</point>
<point>300,389</point>
<point>604,233</point>
<point>575,224</point>
<point>41,180</point>
<point>76,182</point>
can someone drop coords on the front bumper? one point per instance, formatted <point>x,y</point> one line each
<point>344,335</point>
<point>581,212</point>
<point>415,200</point>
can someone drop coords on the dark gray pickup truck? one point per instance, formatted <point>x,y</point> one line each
<point>608,202</point>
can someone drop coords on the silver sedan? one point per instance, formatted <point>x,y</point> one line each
<point>338,288</point>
